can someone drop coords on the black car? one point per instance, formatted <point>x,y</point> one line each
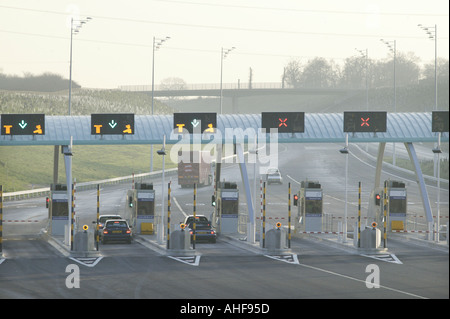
<point>101,222</point>
<point>203,229</point>
<point>117,230</point>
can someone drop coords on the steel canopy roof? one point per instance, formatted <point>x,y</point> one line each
<point>150,129</point>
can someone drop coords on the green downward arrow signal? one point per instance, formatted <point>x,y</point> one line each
<point>23,124</point>
<point>112,124</point>
<point>195,123</point>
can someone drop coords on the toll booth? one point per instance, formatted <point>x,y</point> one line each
<point>310,206</point>
<point>397,204</point>
<point>58,209</point>
<point>228,207</point>
<point>141,202</point>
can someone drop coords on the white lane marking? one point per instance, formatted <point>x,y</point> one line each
<point>179,207</point>
<point>362,281</point>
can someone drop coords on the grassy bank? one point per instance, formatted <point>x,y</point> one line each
<point>27,167</point>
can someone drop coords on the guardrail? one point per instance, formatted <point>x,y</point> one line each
<point>39,192</point>
<point>204,86</point>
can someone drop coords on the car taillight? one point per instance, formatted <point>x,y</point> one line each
<point>105,231</point>
<point>191,232</point>
<point>128,231</point>
<point>212,232</point>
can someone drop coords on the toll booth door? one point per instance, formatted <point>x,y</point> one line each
<point>59,213</point>
<point>145,208</point>
<point>313,210</point>
<point>229,212</point>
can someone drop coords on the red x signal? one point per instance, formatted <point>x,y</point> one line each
<point>365,121</point>
<point>282,122</point>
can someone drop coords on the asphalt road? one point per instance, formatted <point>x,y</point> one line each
<point>32,268</point>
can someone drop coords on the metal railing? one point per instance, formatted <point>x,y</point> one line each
<point>39,192</point>
<point>204,86</point>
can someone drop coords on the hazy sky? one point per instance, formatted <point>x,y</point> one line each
<point>115,47</point>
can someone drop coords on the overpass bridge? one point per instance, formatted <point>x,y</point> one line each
<point>235,90</point>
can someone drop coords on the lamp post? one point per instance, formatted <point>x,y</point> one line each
<point>157,43</point>
<point>223,55</point>
<point>432,35</point>
<point>160,227</point>
<point>74,29</point>
<point>344,151</point>
<point>392,46</point>
<point>365,55</point>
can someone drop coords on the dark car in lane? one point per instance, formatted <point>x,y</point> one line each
<point>117,230</point>
<point>101,222</point>
<point>203,229</point>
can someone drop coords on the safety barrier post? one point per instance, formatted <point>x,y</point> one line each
<point>72,219</point>
<point>289,216</point>
<point>168,216</point>
<point>1,220</point>
<point>385,215</point>
<point>195,204</point>
<point>97,237</point>
<point>264,217</point>
<point>359,215</point>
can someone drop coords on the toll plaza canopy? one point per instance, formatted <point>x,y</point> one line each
<point>150,129</point>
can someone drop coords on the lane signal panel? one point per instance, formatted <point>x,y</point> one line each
<point>195,122</point>
<point>285,122</point>
<point>113,123</point>
<point>365,121</point>
<point>23,124</point>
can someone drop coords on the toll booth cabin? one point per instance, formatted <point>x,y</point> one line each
<point>397,204</point>
<point>396,201</point>
<point>141,202</point>
<point>228,207</point>
<point>310,206</point>
<point>58,209</point>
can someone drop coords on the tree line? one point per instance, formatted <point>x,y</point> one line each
<point>46,82</point>
<point>353,74</point>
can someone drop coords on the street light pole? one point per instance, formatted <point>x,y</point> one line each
<point>432,34</point>
<point>160,225</point>
<point>393,49</point>
<point>223,55</point>
<point>365,54</point>
<point>157,43</point>
<point>74,30</point>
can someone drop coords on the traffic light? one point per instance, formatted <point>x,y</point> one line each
<point>295,200</point>
<point>47,200</point>
<point>130,201</point>
<point>377,199</point>
<point>213,200</point>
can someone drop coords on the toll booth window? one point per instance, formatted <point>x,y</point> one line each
<point>397,205</point>
<point>313,206</point>
<point>60,209</point>
<point>230,206</point>
<point>146,208</point>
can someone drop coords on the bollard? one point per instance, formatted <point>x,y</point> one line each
<point>289,216</point>
<point>264,217</point>
<point>168,216</point>
<point>1,219</point>
<point>359,215</point>
<point>194,211</point>
<point>97,237</point>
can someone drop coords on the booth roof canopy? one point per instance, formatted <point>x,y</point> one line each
<point>150,129</point>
